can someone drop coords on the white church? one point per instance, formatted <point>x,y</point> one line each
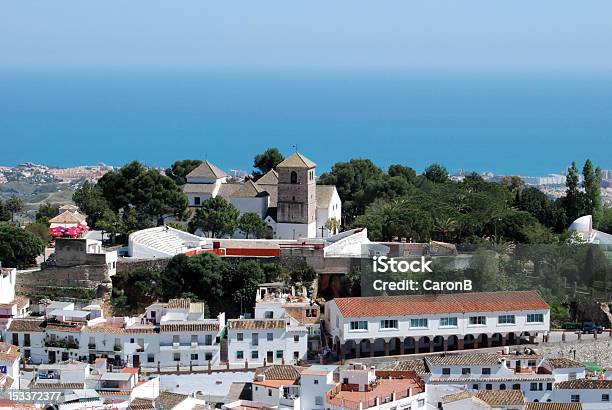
<point>287,198</point>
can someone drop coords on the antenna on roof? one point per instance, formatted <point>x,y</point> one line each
<point>295,147</point>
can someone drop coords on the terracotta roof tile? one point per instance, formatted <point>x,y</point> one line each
<point>248,324</point>
<point>27,325</point>
<point>179,303</point>
<point>189,327</point>
<point>169,400</point>
<point>563,363</point>
<point>473,359</point>
<point>207,170</point>
<point>384,306</point>
<point>296,160</point>
<point>553,406</point>
<point>590,384</point>
<point>501,397</point>
<point>279,372</point>
<point>462,395</point>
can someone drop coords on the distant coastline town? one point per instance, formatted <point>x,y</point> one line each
<point>195,288</point>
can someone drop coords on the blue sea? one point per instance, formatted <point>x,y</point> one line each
<point>510,122</point>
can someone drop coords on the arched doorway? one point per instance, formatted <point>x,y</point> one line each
<point>438,343</point>
<point>424,344</point>
<point>452,343</point>
<point>497,340</point>
<point>483,340</point>
<point>468,342</point>
<point>510,339</point>
<point>379,347</point>
<point>364,348</point>
<point>409,345</point>
<point>350,349</point>
<point>394,346</point>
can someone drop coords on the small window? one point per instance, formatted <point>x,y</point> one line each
<point>418,323</point>
<point>486,370</point>
<point>549,386</point>
<point>194,356</point>
<point>239,354</point>
<point>316,381</point>
<point>465,371</point>
<point>475,386</point>
<point>535,318</point>
<point>255,339</point>
<point>575,398</point>
<point>254,354</point>
<point>359,325</point>
<point>506,320</point>
<point>478,320</point>
<point>177,357</point>
<point>605,397</point>
<point>293,177</point>
<point>279,354</point>
<point>268,314</point>
<point>150,358</point>
<point>196,200</point>
<point>533,386</point>
<point>319,400</point>
<point>270,337</point>
<point>446,371</point>
<point>489,386</point>
<point>388,324</point>
<point>448,322</point>
<point>240,337</point>
<point>296,338</point>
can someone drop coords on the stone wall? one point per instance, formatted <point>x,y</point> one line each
<point>127,265</point>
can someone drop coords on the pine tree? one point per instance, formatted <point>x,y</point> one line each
<point>592,189</point>
<point>572,194</point>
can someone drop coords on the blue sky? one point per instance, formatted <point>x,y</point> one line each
<point>527,34</point>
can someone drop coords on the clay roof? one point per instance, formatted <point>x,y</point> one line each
<point>141,404</point>
<point>179,303</point>
<point>462,395</point>
<point>501,397</point>
<point>269,178</point>
<point>324,195</point>
<point>169,400</point>
<point>58,386</point>
<point>296,160</point>
<point>279,372</point>
<point>474,359</point>
<point>417,365</point>
<point>199,188</point>
<point>563,363</point>
<point>248,324</point>
<point>226,191</point>
<point>207,170</point>
<point>27,325</point>
<point>189,327</point>
<point>553,406</point>
<point>406,305</point>
<point>68,217</point>
<point>248,190</point>
<point>8,352</point>
<point>590,384</point>
<point>118,330</point>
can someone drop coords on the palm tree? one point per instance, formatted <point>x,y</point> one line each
<point>332,225</point>
<point>445,227</point>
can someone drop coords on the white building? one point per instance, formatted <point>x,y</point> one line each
<point>11,306</point>
<point>592,394</point>
<point>9,366</point>
<point>169,334</point>
<point>277,386</point>
<point>274,301</point>
<point>316,381</point>
<point>257,342</point>
<point>390,325</point>
<point>287,197</point>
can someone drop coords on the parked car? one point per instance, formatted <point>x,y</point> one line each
<point>591,327</point>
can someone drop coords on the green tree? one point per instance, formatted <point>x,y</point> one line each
<point>137,288</point>
<point>18,247</point>
<point>109,222</point>
<point>353,180</point>
<point>592,192</point>
<point>179,170</point>
<point>90,199</point>
<point>407,173</point>
<point>436,173</point>
<point>332,225</point>
<point>46,211</point>
<point>266,161</point>
<point>14,205</point>
<point>41,230</point>
<point>177,225</point>
<point>252,225</point>
<point>154,196</point>
<point>573,198</point>
<point>5,215</point>
<point>216,216</point>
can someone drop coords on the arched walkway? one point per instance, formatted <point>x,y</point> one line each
<point>409,345</point>
<point>483,340</point>
<point>468,342</point>
<point>394,346</point>
<point>452,343</point>
<point>364,348</point>
<point>438,344</point>
<point>497,340</point>
<point>510,339</point>
<point>350,349</point>
<point>379,347</point>
<point>424,345</point>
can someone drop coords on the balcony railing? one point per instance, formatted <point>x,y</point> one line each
<point>62,344</point>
